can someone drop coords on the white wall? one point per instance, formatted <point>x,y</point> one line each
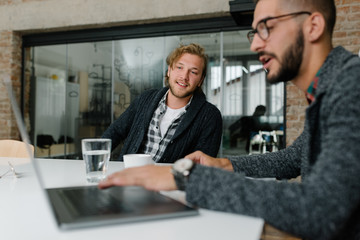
<point>35,15</point>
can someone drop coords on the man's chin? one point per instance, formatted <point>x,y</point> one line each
<point>277,78</point>
<point>271,78</point>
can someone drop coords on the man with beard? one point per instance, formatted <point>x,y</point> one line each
<point>174,121</point>
<point>294,41</point>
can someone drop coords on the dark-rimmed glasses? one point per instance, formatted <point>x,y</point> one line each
<point>11,169</point>
<point>263,30</point>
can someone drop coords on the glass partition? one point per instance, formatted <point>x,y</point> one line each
<point>89,92</point>
<point>77,90</point>
<point>49,97</point>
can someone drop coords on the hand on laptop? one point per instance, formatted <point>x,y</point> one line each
<point>156,178</point>
<point>202,158</point>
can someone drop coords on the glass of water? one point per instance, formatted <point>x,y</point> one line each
<point>96,154</point>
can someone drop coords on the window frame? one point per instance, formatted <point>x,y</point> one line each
<point>206,25</point>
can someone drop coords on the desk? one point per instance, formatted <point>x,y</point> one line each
<point>25,213</point>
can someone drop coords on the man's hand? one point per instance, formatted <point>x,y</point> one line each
<point>156,178</point>
<point>202,158</point>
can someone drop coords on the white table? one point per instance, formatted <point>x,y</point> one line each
<point>25,213</point>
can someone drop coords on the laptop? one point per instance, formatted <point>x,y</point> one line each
<point>88,206</point>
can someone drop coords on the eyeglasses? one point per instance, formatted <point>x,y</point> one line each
<point>11,169</point>
<point>264,31</point>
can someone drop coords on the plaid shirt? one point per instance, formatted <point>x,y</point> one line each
<point>154,144</point>
<point>310,94</point>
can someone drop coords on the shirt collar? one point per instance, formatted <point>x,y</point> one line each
<point>311,91</point>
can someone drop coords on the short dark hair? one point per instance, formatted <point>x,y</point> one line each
<point>259,110</point>
<point>326,7</point>
<point>192,48</point>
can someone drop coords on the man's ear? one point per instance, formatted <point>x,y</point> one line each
<point>168,71</point>
<point>315,26</point>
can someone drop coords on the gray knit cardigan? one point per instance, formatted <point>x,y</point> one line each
<point>200,128</point>
<point>326,204</point>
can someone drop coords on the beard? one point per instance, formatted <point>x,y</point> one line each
<point>290,65</point>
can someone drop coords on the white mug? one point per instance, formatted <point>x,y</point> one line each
<point>137,160</point>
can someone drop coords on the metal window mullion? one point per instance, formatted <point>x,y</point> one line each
<point>112,80</point>
<point>222,85</point>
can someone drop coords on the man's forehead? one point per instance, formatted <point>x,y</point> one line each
<point>194,60</point>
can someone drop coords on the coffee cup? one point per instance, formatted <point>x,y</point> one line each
<point>137,160</point>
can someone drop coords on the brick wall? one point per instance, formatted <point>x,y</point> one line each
<point>346,34</point>
<point>10,65</point>
<point>347,29</point>
<point>295,112</point>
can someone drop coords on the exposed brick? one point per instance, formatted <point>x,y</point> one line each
<point>340,18</point>
<point>356,42</point>
<point>343,10</point>
<point>350,1</point>
<point>339,34</point>
<point>355,8</point>
<point>10,65</point>
<point>354,18</point>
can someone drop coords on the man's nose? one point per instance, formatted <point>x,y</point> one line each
<point>185,74</point>
<point>257,43</point>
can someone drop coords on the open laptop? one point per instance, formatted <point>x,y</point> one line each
<point>88,206</point>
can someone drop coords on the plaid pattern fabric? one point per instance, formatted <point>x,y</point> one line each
<point>154,144</point>
<point>310,93</point>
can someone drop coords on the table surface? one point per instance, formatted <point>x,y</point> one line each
<point>25,213</point>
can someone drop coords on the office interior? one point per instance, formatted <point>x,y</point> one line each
<point>118,60</point>
<point>76,83</point>
<point>23,37</point>
<point>78,89</point>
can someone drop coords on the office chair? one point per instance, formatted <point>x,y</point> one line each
<point>14,148</point>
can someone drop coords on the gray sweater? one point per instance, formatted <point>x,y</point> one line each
<point>200,129</point>
<point>326,204</point>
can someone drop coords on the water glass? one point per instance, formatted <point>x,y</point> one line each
<point>96,154</point>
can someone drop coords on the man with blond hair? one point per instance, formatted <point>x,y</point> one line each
<point>176,120</point>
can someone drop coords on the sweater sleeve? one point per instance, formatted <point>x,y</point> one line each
<point>284,164</point>
<point>119,129</point>
<point>317,208</point>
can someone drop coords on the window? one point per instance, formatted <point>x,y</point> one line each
<point>78,89</point>
<point>215,76</point>
<point>234,72</point>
